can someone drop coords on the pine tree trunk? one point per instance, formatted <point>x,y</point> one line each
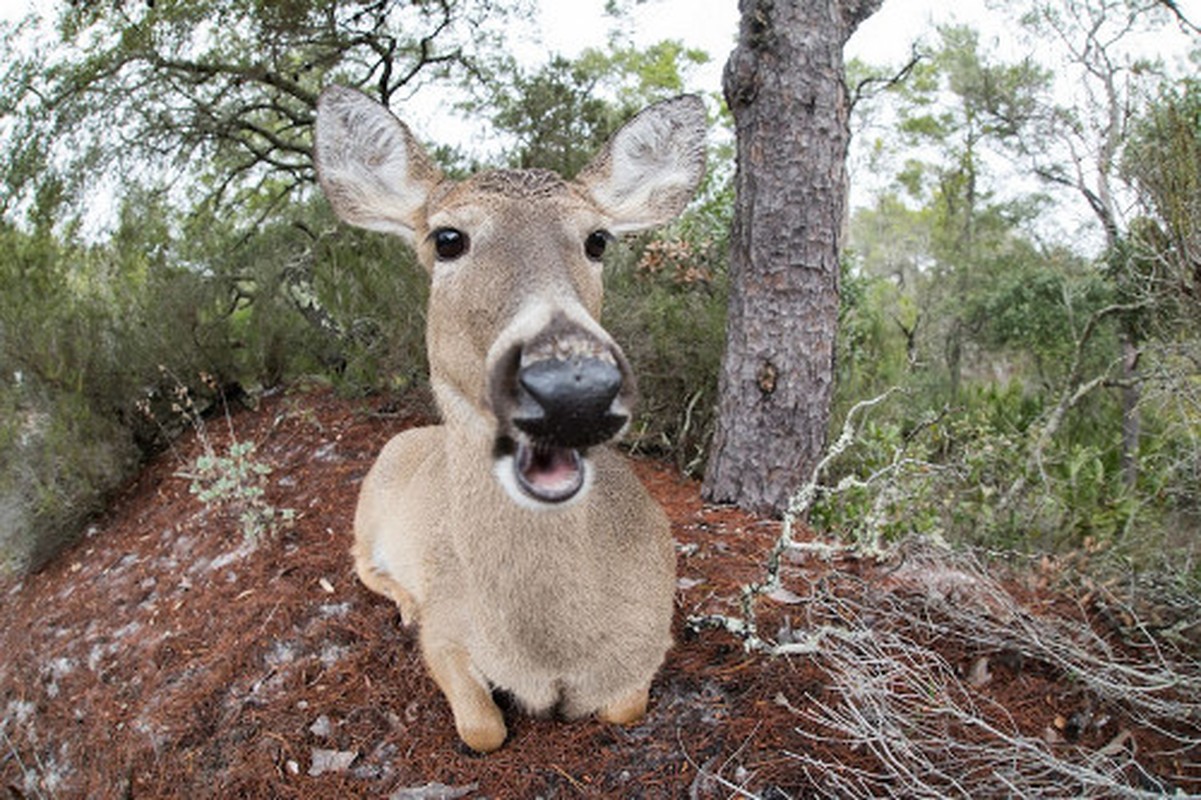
<point>784,83</point>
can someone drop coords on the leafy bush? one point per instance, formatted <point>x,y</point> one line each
<point>61,447</point>
<point>58,460</point>
<point>374,288</point>
<point>237,481</point>
<point>665,304</point>
<point>83,331</point>
<point>983,474</point>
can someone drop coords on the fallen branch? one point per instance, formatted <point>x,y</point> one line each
<point>929,729</point>
<point>744,626</point>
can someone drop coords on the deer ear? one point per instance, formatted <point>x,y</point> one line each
<point>370,167</point>
<point>651,167</point>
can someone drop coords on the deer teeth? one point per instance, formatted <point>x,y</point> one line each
<point>548,473</point>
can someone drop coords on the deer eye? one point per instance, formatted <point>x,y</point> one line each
<point>449,243</point>
<point>594,245</point>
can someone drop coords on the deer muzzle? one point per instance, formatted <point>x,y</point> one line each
<point>569,403</point>
<point>555,396</point>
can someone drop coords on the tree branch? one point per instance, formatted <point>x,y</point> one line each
<point>1184,21</point>
<point>877,83</point>
<point>257,73</point>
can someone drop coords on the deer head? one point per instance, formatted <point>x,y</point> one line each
<point>519,361</point>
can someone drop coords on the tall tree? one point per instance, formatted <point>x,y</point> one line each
<point>959,105</point>
<point>562,112</point>
<point>218,95</point>
<point>1096,36</point>
<point>785,85</point>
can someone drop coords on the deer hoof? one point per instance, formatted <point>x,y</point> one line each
<point>484,740</point>
<point>483,735</point>
<point>626,710</point>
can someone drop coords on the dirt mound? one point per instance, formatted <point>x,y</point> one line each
<point>166,656</point>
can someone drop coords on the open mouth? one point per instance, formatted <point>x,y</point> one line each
<point>547,473</point>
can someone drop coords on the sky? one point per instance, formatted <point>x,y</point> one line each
<point>885,38</point>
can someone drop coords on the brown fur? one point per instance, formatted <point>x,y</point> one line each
<point>566,607</point>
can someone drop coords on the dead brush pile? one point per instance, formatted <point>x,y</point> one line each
<point>961,727</point>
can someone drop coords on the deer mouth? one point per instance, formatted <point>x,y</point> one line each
<point>554,397</point>
<point>548,473</point>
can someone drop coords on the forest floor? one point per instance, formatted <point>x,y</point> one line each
<point>164,655</point>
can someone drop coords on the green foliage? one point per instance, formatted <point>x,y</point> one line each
<point>965,475</point>
<point>236,477</point>
<point>942,236</point>
<point>376,291</point>
<point>993,464</point>
<point>563,112</point>
<point>639,77</point>
<point>238,481</point>
<point>59,459</point>
<point>85,328</point>
<point>665,304</point>
<point>61,450</point>
<point>555,116</point>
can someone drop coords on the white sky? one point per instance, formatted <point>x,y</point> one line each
<point>886,38</point>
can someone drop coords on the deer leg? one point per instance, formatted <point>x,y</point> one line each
<point>381,582</point>
<point>627,709</point>
<point>479,722</point>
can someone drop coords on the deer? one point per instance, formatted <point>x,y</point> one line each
<point>513,534</point>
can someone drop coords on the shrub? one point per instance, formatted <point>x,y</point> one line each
<point>83,329</point>
<point>376,291</point>
<point>982,474</point>
<point>666,306</point>
<point>234,480</point>
<point>58,462</point>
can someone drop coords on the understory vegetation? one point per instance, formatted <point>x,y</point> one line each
<point>1017,420</point>
<point>1043,390</point>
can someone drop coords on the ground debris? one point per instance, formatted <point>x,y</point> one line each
<point>148,669</point>
<point>434,791</point>
<point>324,761</point>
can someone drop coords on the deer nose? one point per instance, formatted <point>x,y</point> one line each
<point>569,403</point>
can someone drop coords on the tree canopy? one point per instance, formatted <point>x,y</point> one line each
<point>1023,347</point>
<point>216,96</point>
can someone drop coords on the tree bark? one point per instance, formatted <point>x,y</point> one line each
<point>784,83</point>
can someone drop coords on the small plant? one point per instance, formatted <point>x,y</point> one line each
<point>234,480</point>
<point>237,480</point>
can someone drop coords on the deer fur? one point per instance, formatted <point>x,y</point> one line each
<point>521,543</point>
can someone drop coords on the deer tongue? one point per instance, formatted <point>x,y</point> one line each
<point>547,473</point>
